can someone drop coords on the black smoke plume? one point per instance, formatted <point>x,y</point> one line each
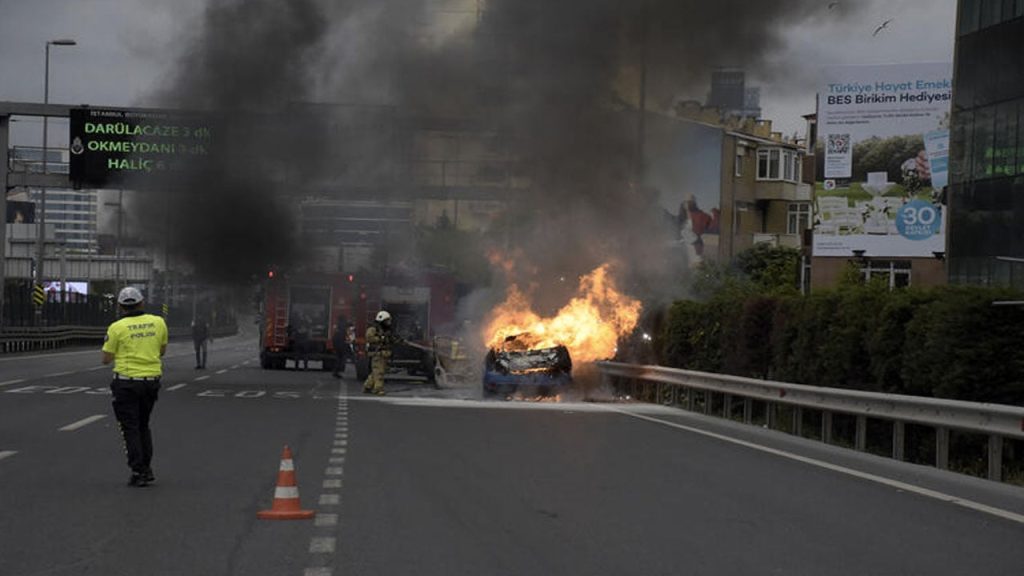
<point>557,81</point>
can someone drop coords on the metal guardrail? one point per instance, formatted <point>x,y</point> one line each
<point>50,338</point>
<point>671,386</point>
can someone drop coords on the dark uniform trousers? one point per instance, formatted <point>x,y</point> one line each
<point>133,403</point>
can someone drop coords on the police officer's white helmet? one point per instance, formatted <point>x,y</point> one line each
<point>383,317</point>
<point>129,296</point>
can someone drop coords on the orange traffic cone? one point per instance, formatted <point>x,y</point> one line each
<point>286,495</point>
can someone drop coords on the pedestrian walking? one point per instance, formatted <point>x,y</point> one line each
<point>200,339</point>
<point>342,343</point>
<point>135,344</point>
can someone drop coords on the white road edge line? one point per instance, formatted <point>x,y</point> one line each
<point>83,422</point>
<point>9,382</point>
<point>7,453</point>
<point>927,493</point>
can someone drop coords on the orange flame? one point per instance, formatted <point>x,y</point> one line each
<point>589,325</point>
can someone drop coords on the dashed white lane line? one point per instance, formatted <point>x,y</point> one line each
<point>95,368</point>
<point>176,387</point>
<point>200,378</point>
<point>317,572</point>
<point>222,371</point>
<point>321,545</point>
<point>333,471</point>
<point>59,374</point>
<point>7,453</point>
<point>970,504</point>
<point>9,382</point>
<point>330,499</point>
<point>83,422</point>
<point>235,367</point>
<point>325,519</point>
<point>336,460</point>
<point>332,483</point>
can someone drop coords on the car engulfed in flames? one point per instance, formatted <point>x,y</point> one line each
<point>531,356</point>
<point>514,369</point>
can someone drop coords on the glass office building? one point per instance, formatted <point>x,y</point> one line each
<point>986,196</point>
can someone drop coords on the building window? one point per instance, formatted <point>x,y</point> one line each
<point>768,164</point>
<point>799,217</point>
<point>894,274</point>
<point>778,164</point>
<point>739,162</point>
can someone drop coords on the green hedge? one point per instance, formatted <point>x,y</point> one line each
<point>948,342</point>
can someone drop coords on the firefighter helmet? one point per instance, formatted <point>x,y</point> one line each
<point>383,317</point>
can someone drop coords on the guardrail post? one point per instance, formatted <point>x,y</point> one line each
<point>798,421</point>
<point>706,394</point>
<point>688,404</point>
<point>826,427</point>
<point>770,415</point>
<point>727,406</point>
<point>748,410</point>
<point>995,458</point>
<point>899,433</point>
<point>860,441</point>
<point>942,448</point>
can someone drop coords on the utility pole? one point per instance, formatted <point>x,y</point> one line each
<point>4,124</point>
<point>641,121</point>
<point>41,215</point>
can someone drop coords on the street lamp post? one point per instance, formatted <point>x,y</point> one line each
<point>41,216</point>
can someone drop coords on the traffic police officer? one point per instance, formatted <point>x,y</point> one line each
<point>135,344</point>
<point>379,339</point>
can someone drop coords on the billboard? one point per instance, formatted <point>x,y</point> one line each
<point>683,169</point>
<point>884,134</point>
<point>111,148</point>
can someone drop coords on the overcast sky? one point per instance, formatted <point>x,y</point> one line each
<point>127,47</point>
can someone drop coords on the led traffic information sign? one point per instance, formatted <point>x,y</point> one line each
<point>134,148</point>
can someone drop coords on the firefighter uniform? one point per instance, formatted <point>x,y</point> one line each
<point>378,348</point>
<point>136,343</point>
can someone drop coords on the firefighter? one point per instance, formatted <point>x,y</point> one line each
<point>379,340</point>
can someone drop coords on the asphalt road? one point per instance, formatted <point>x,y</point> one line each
<point>432,482</point>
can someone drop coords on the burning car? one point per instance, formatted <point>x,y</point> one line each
<point>516,368</point>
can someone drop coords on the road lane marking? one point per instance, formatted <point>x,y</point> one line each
<point>333,471</point>
<point>9,382</point>
<point>321,545</point>
<point>336,460</point>
<point>927,493</point>
<point>83,422</point>
<point>58,374</point>
<point>201,378</point>
<point>176,387</point>
<point>37,356</point>
<point>7,453</point>
<point>325,519</point>
<point>221,371</point>
<point>95,368</point>
<point>321,571</point>
<point>235,367</point>
<point>330,499</point>
<point>332,483</point>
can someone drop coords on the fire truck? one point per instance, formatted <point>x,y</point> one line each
<point>300,311</point>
